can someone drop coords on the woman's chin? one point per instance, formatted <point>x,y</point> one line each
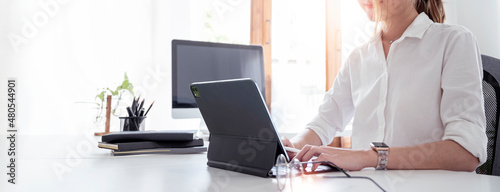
<point>371,17</point>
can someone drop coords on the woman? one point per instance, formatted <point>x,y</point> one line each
<point>416,85</point>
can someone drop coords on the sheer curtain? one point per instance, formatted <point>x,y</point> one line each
<point>62,52</point>
<point>298,62</point>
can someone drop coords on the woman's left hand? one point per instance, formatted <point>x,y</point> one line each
<point>349,159</point>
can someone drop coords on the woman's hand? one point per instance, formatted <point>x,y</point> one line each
<point>353,160</point>
<point>287,143</point>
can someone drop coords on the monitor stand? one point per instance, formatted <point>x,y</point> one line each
<point>203,130</point>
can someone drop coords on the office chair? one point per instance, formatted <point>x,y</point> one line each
<point>491,93</point>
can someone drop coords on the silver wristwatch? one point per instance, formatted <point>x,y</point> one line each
<point>383,154</point>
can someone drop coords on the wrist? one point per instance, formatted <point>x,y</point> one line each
<point>305,137</point>
<point>382,151</point>
<point>371,158</point>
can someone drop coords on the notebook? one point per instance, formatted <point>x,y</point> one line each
<point>242,135</point>
<point>163,135</point>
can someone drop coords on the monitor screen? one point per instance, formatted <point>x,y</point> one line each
<point>194,61</point>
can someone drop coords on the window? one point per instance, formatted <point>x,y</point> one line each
<point>298,62</point>
<point>356,28</point>
<point>299,54</point>
<point>221,21</point>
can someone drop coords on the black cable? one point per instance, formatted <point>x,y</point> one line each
<point>345,173</point>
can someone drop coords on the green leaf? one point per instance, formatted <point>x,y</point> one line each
<point>125,86</point>
<point>101,96</point>
<point>130,88</point>
<point>114,93</point>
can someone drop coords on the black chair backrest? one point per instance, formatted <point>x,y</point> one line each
<point>491,92</point>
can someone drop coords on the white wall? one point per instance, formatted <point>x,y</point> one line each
<point>482,17</point>
<point>74,47</point>
<point>67,50</point>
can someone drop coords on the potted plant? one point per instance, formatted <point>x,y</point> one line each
<point>120,95</point>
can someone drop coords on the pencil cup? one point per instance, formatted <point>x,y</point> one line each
<point>132,123</point>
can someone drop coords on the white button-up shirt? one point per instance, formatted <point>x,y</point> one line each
<point>428,89</point>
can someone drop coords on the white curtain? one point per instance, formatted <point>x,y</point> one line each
<point>61,52</point>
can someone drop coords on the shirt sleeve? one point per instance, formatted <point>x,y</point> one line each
<point>337,108</point>
<point>462,103</point>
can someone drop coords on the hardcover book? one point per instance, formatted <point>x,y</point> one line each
<point>128,146</point>
<point>187,150</point>
<point>135,136</point>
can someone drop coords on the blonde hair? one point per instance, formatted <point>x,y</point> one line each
<point>432,8</point>
<point>379,16</point>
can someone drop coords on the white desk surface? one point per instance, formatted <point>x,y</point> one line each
<point>74,163</point>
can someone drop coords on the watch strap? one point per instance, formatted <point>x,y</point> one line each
<point>382,159</point>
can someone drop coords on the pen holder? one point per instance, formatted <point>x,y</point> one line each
<point>132,123</point>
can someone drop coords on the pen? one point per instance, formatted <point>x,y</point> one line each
<point>149,108</point>
<point>134,105</point>
<point>130,113</point>
<point>141,112</point>
<point>290,149</point>
<point>137,105</point>
<point>139,109</point>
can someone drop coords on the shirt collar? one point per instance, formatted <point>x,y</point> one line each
<point>416,29</point>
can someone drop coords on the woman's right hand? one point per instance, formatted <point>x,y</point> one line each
<point>287,143</point>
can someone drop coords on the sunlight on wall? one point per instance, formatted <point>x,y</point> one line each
<point>61,55</point>
<point>298,62</point>
<point>356,27</point>
<point>65,52</point>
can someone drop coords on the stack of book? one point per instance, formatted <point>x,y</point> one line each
<point>152,142</point>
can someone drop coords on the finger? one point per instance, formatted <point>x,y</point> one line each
<point>286,142</point>
<point>309,154</point>
<point>313,151</point>
<point>321,157</point>
<point>302,152</point>
<point>291,154</point>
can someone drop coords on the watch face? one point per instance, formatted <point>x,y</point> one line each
<point>379,145</point>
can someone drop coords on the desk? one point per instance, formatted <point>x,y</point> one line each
<point>68,165</point>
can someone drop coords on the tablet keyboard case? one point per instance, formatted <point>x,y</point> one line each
<point>242,135</point>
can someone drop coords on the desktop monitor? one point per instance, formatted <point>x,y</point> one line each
<point>194,61</point>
